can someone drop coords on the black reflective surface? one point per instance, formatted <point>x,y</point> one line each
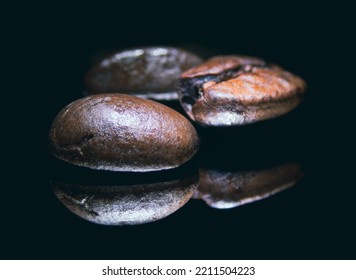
<point>74,212</point>
<point>313,219</point>
<point>220,174</point>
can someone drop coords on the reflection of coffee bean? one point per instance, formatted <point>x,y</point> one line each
<point>126,205</point>
<point>231,189</point>
<point>237,90</point>
<point>122,133</point>
<point>147,72</point>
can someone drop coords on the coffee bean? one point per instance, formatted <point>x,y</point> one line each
<point>237,90</point>
<point>223,189</point>
<point>146,72</point>
<point>119,132</point>
<point>126,205</point>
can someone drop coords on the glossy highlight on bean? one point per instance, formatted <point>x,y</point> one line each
<point>238,90</point>
<point>118,132</point>
<point>150,72</point>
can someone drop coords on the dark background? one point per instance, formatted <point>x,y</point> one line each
<point>52,47</point>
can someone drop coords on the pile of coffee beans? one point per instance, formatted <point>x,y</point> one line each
<point>115,127</point>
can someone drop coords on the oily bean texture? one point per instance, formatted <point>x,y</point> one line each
<point>147,72</point>
<point>238,90</point>
<point>119,132</point>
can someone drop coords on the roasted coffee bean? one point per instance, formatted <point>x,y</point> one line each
<point>147,72</point>
<point>237,90</point>
<point>126,205</point>
<point>120,132</point>
<point>223,189</point>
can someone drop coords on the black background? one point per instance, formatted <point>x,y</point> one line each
<point>52,48</point>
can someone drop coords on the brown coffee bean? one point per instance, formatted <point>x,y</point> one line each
<point>237,90</point>
<point>223,189</point>
<point>119,132</point>
<point>146,72</point>
<point>126,205</point>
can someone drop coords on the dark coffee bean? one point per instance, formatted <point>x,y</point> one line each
<point>224,190</point>
<point>146,72</point>
<point>237,90</point>
<point>126,205</point>
<point>119,132</point>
